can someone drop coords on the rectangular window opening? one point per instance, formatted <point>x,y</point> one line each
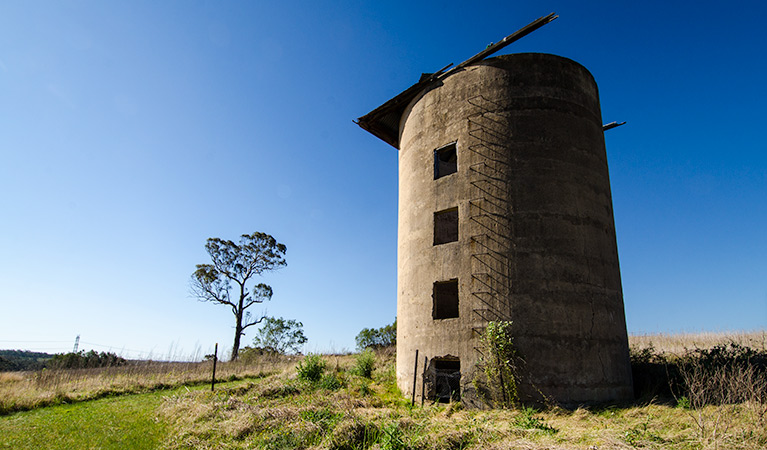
<point>446,226</point>
<point>445,161</point>
<point>447,380</point>
<point>445,299</point>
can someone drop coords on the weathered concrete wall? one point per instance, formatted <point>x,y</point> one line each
<point>536,242</point>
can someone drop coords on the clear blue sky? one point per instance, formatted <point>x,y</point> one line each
<point>130,132</point>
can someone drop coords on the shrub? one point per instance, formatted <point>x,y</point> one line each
<point>497,382</point>
<point>324,417</point>
<point>330,382</point>
<point>392,438</point>
<point>364,364</point>
<point>653,373</point>
<point>723,374</point>
<point>528,421</point>
<point>353,433</point>
<point>311,368</point>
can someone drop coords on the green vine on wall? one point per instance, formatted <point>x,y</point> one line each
<point>497,380</point>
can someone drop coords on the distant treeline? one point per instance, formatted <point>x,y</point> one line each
<point>13,360</point>
<point>17,360</point>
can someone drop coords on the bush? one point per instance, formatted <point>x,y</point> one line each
<point>392,438</point>
<point>364,364</point>
<point>722,374</point>
<point>330,382</point>
<point>497,382</point>
<point>354,433</point>
<point>527,420</point>
<point>311,368</point>
<point>652,373</point>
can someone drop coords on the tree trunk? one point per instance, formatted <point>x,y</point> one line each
<point>237,335</point>
<point>238,325</point>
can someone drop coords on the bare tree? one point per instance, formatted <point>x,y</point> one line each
<point>225,280</point>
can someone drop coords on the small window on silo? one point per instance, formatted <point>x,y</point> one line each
<point>447,380</point>
<point>445,297</point>
<point>446,226</point>
<point>445,161</point>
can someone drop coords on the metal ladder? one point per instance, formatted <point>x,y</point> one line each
<point>488,213</point>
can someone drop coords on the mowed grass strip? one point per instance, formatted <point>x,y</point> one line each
<point>124,422</point>
<point>23,391</point>
<point>109,423</point>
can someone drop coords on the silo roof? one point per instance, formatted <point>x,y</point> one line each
<point>383,122</point>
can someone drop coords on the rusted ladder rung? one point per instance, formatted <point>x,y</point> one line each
<point>487,236</point>
<point>476,203</point>
<point>478,329</point>
<point>499,152</point>
<point>476,293</point>
<point>485,190</point>
<point>496,275</point>
<point>503,232</point>
<point>474,168</point>
<point>484,121</point>
<point>483,283</point>
<point>474,101</point>
<point>500,253</point>
<point>496,256</point>
<point>490,134</point>
<point>486,313</point>
<point>485,301</point>
<point>488,180</point>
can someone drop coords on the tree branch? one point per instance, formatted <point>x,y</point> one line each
<point>254,322</point>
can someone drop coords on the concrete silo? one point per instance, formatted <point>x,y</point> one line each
<point>505,214</point>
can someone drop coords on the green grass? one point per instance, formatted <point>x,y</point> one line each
<point>122,422</point>
<point>127,422</point>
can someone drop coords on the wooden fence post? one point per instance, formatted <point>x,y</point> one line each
<point>423,379</point>
<point>215,359</point>
<point>415,377</point>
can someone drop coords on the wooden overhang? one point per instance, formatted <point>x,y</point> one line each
<point>383,122</point>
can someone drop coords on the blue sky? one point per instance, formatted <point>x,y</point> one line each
<point>130,132</point>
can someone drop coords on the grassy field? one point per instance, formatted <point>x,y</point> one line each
<point>679,343</point>
<point>271,407</point>
<point>123,422</point>
<point>21,391</point>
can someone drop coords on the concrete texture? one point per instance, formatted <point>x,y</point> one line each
<point>536,236</point>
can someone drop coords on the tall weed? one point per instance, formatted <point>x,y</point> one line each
<point>311,368</point>
<point>364,363</point>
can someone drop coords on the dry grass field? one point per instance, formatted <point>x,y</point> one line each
<point>677,344</point>
<point>352,412</point>
<point>20,391</point>
<point>275,406</point>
